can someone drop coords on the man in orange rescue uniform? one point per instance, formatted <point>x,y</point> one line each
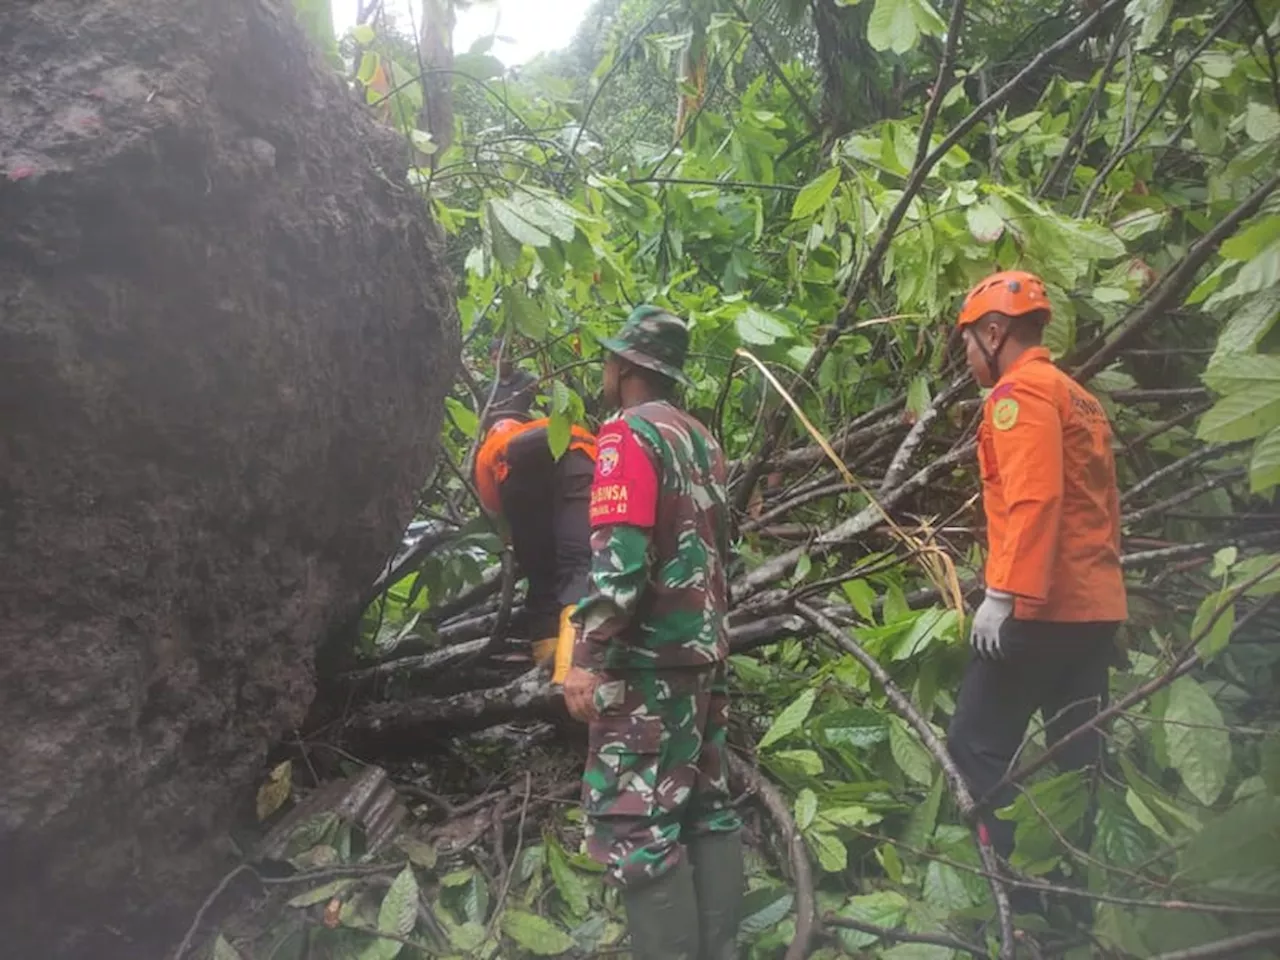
<point>545,503</point>
<point>1044,636</point>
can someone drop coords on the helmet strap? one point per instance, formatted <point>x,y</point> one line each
<point>992,357</point>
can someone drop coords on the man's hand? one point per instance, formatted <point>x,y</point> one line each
<point>580,694</point>
<point>991,615</point>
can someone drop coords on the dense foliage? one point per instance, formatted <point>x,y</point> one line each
<point>813,186</point>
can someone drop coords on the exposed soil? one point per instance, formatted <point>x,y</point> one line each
<point>225,335</point>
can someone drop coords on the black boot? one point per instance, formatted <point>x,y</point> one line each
<point>662,916</point>
<point>719,876</point>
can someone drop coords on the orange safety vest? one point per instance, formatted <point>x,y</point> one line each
<point>1049,492</point>
<point>492,465</point>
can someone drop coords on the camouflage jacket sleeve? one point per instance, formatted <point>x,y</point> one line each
<point>619,573</point>
<point>624,502</point>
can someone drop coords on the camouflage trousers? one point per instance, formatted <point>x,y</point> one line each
<point>656,769</point>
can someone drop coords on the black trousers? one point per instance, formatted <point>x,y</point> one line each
<point>1060,669</point>
<point>546,504</point>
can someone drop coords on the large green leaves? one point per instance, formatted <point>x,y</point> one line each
<point>397,917</point>
<point>1197,742</point>
<point>815,194</point>
<point>791,719</point>
<point>536,934</point>
<point>897,24</point>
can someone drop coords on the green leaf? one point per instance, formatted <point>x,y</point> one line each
<point>559,434</point>
<point>924,817</point>
<point>1253,239</point>
<point>829,849</point>
<point>322,894</point>
<point>1213,639</point>
<point>815,194</point>
<point>363,34</point>
<point>1237,854</point>
<point>463,416</point>
<point>790,720</point>
<point>222,950</point>
<point>1242,416</point>
<point>1199,746</point>
<point>517,224</point>
<point>523,313</point>
<point>807,760</point>
<point>862,597</point>
<point>913,759</point>
<point>897,24</point>
<point>944,888</point>
<point>1261,122</point>
<point>885,909</point>
<point>892,26</point>
<point>573,888</point>
<point>985,223</point>
<point>478,66</point>
<point>763,909</point>
<point>858,728</point>
<point>1251,322</point>
<point>538,936</point>
<point>759,328</point>
<point>806,808</point>
<point>851,816</point>
<point>469,937</point>
<point>918,396</point>
<point>1149,16</point>
<point>1248,372</point>
<point>1264,468</point>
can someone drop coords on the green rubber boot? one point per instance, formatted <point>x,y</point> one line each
<point>719,878</point>
<point>662,916</point>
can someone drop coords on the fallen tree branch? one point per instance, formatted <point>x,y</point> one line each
<point>902,459</point>
<point>801,870</point>
<point>1225,948</point>
<point>1169,289</point>
<point>863,521</point>
<point>1175,468</point>
<point>959,789</point>
<point>903,936</point>
<point>1190,493</point>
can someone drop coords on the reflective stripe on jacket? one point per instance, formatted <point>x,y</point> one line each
<point>1050,496</point>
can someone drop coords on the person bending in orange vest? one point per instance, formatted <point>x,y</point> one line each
<point>1044,636</point>
<point>545,503</point>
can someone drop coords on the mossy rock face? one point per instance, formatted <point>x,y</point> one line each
<point>225,339</point>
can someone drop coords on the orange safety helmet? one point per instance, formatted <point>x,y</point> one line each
<point>1014,293</point>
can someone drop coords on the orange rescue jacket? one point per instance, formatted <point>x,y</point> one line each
<point>492,465</point>
<point>1050,496</point>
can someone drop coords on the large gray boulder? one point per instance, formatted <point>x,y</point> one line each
<point>225,336</point>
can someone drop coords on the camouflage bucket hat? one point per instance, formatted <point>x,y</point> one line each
<point>654,339</point>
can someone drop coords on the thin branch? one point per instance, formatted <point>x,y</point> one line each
<point>1086,119</point>
<point>1127,146</point>
<point>903,936</point>
<point>801,870</point>
<point>911,443</point>
<point>955,781</point>
<point>1226,948</point>
<point>1169,289</point>
<point>942,85</point>
<point>1172,470</point>
<point>721,184</point>
<point>1270,47</point>
<point>1190,493</point>
<point>185,945</point>
<point>775,68</point>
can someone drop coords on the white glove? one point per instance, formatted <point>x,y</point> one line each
<point>991,615</point>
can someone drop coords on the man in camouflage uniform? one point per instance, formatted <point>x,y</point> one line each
<point>649,670</point>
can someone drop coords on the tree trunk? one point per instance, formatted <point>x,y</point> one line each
<point>225,336</point>
<point>437,86</point>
